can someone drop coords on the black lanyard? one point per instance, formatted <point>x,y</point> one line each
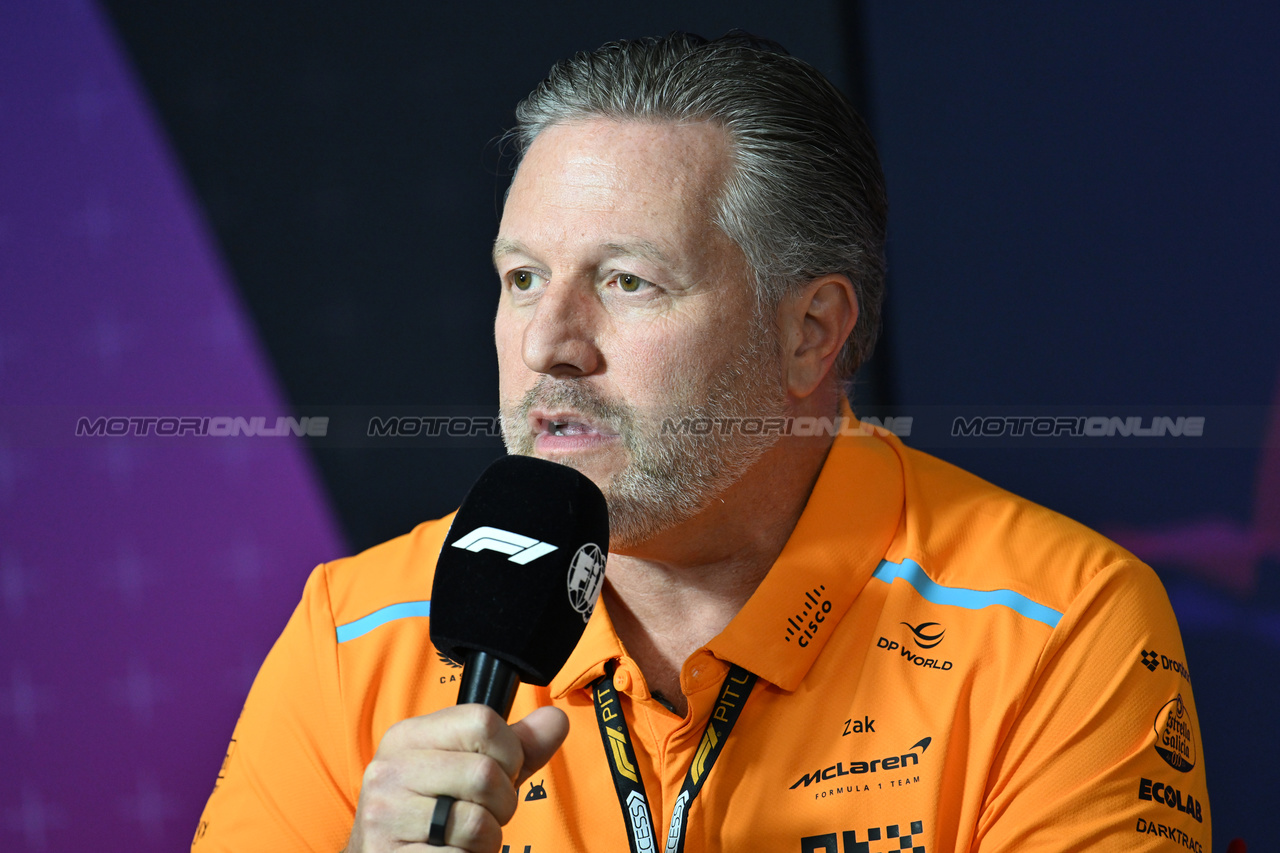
<point>622,758</point>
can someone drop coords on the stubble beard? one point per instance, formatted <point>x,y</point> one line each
<point>670,476</point>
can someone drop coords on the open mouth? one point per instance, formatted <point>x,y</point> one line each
<point>571,428</point>
<point>567,424</point>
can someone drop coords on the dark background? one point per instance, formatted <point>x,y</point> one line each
<point>1083,217</point>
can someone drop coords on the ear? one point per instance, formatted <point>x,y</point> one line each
<point>815,321</point>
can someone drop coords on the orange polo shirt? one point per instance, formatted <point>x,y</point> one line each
<point>941,666</point>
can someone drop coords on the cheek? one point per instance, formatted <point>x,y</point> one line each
<point>508,340</point>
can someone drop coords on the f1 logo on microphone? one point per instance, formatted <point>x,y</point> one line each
<point>521,549</point>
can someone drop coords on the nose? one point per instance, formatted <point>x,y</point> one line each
<point>560,339</point>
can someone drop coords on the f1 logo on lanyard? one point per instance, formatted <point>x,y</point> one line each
<point>622,758</point>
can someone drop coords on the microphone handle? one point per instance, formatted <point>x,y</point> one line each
<point>488,680</point>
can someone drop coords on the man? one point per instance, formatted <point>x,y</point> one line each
<point>806,642</point>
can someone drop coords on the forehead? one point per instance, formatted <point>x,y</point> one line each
<point>601,177</point>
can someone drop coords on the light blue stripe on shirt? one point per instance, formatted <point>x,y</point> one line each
<point>969,599</point>
<point>377,618</point>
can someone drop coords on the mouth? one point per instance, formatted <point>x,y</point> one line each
<point>568,424</point>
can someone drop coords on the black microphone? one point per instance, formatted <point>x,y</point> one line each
<point>518,576</point>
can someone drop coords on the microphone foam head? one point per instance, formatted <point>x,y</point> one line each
<point>521,567</point>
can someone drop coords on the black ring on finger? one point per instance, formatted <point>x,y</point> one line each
<point>440,817</point>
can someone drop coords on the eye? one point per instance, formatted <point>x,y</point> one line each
<point>630,283</point>
<point>524,279</point>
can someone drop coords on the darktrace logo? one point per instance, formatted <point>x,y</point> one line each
<point>1175,735</point>
<point>928,634</point>
<point>1159,792</point>
<point>910,758</point>
<point>1150,827</point>
<point>894,837</point>
<point>1153,660</point>
<point>807,622</point>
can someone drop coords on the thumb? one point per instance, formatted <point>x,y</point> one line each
<point>541,734</point>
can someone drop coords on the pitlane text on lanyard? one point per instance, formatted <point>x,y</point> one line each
<point>622,758</point>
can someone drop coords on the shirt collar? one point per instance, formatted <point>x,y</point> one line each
<point>845,529</point>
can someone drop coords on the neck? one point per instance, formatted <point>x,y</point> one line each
<point>669,596</point>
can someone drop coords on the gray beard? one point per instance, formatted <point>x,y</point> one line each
<point>669,478</point>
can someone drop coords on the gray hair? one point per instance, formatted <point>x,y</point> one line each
<point>805,195</point>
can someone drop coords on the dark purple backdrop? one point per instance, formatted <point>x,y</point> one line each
<point>141,580</point>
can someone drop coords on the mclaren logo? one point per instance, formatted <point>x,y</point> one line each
<point>910,758</point>
<point>928,634</point>
<point>520,549</point>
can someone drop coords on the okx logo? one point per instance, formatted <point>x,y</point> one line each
<point>889,839</point>
<point>928,634</point>
<point>521,549</point>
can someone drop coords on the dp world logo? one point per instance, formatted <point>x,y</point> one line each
<point>586,576</point>
<point>927,634</point>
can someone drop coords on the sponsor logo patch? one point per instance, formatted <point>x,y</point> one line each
<point>1150,827</point>
<point>895,837</point>
<point>912,658</point>
<point>1153,660</point>
<point>1175,735</point>
<point>927,634</point>
<point>807,621</point>
<point>1159,792</point>
<point>910,758</point>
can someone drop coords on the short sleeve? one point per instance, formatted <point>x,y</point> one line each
<point>1104,753</point>
<point>287,781</point>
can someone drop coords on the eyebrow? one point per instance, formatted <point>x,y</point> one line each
<point>638,249</point>
<point>503,246</point>
<point>629,249</point>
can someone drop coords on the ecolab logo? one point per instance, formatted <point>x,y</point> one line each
<point>891,762</point>
<point>1158,792</point>
<point>522,549</point>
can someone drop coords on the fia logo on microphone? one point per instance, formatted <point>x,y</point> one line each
<point>520,549</point>
<point>586,576</point>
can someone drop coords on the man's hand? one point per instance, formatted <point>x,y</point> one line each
<point>467,752</point>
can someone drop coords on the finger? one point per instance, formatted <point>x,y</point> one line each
<point>469,827</point>
<point>460,728</point>
<point>410,779</point>
<point>540,735</point>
